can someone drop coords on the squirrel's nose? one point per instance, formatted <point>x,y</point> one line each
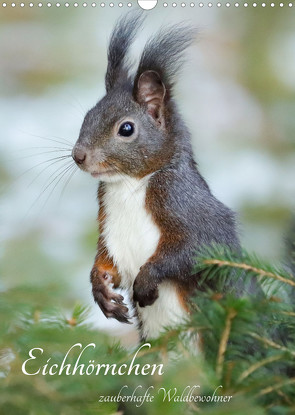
<point>79,155</point>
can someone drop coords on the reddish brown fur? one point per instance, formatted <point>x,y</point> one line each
<point>183,296</point>
<point>103,262</point>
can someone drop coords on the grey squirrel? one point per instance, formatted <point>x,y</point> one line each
<point>155,208</point>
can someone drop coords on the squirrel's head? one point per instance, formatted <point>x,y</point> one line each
<point>127,131</point>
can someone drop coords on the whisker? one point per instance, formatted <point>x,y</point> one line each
<point>61,176</point>
<point>53,160</point>
<point>75,169</point>
<point>64,167</point>
<point>45,168</point>
<point>56,159</point>
<point>52,181</point>
<point>64,139</point>
<point>63,142</point>
<point>80,107</point>
<point>52,140</point>
<point>60,158</point>
<point>44,148</point>
<point>40,154</point>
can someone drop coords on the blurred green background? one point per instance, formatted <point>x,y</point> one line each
<point>236,93</point>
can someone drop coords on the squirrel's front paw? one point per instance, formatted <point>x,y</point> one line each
<point>109,302</point>
<point>145,289</point>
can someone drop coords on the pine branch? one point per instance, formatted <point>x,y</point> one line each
<point>259,271</point>
<point>258,365</point>
<point>251,336</point>
<point>224,340</point>
<point>272,344</point>
<point>276,387</point>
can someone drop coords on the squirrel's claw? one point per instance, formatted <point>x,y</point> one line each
<point>110,303</point>
<point>118,298</point>
<point>112,309</point>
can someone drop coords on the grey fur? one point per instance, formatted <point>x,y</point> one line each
<point>178,197</point>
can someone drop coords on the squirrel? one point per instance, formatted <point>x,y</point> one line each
<point>155,208</point>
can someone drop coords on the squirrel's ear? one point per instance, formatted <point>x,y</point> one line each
<point>150,92</point>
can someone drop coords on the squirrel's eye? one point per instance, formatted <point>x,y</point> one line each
<point>126,129</point>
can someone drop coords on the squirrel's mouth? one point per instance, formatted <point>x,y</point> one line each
<point>107,172</point>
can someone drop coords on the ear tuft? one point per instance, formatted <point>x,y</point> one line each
<point>151,92</point>
<point>122,37</point>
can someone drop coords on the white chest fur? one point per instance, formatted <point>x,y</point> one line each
<point>131,237</point>
<point>130,234</point>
